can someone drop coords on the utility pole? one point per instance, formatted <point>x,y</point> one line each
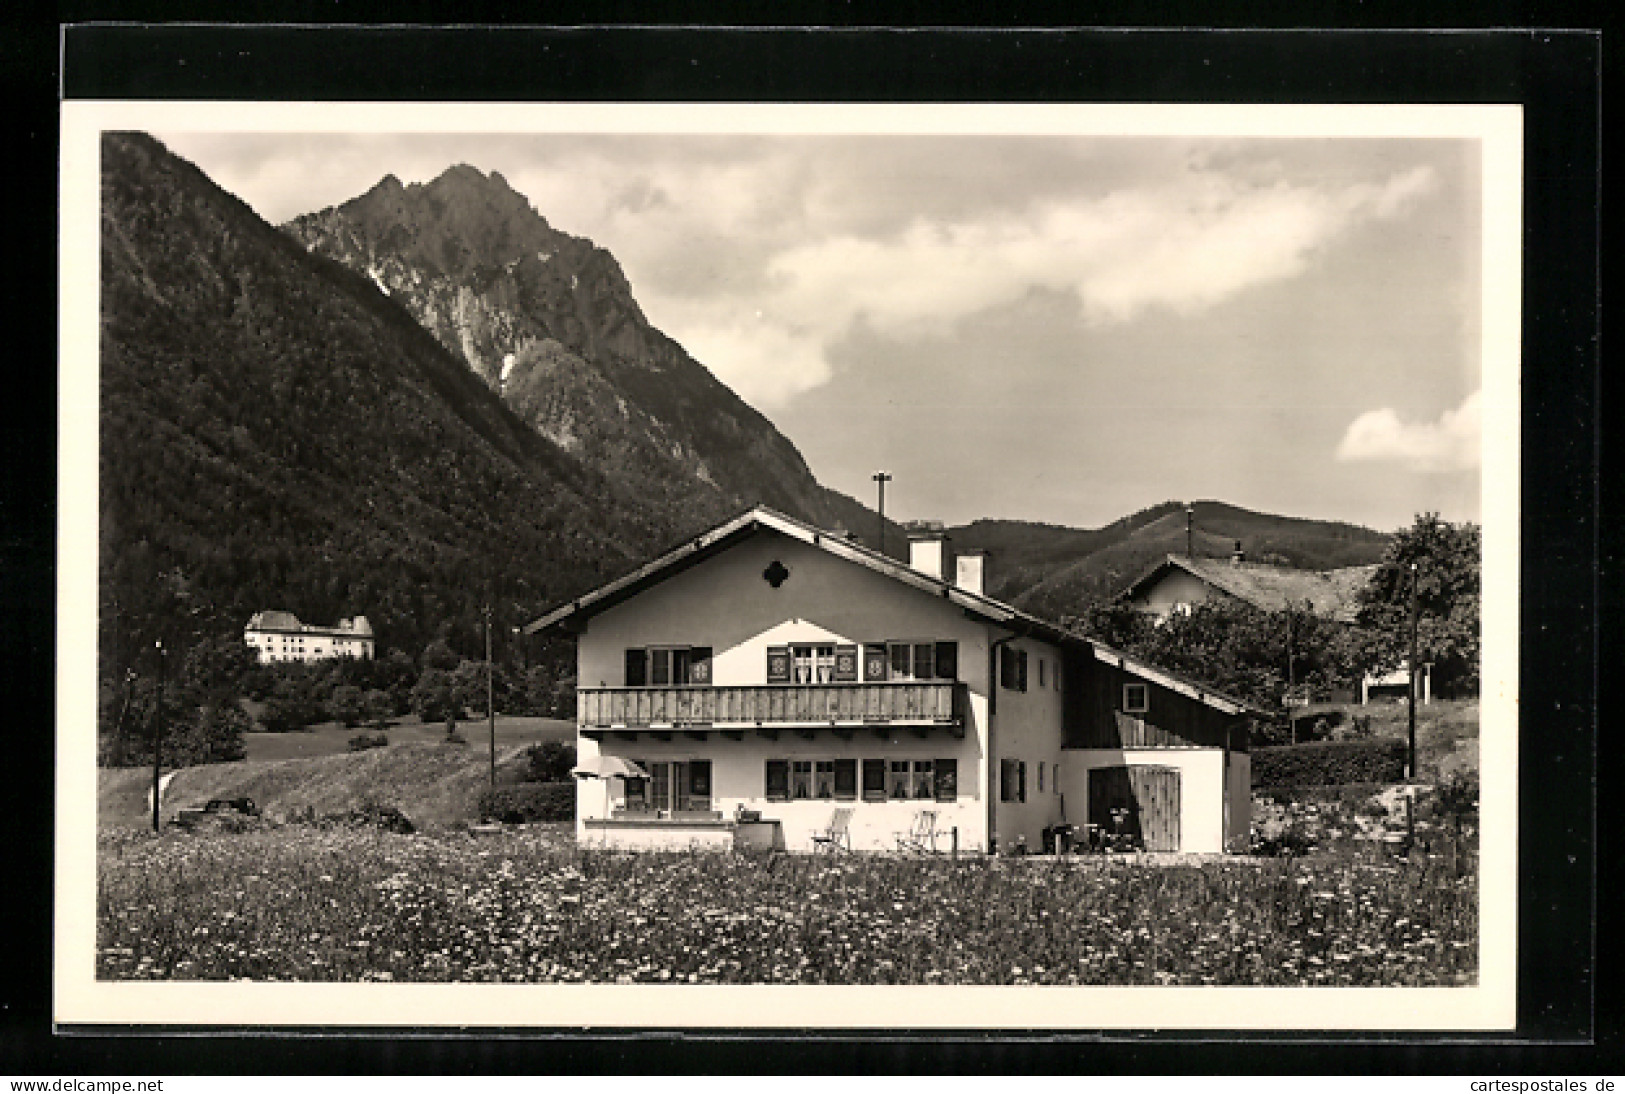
<point>1190,541</point>
<point>1291,678</point>
<point>1410,677</point>
<point>490,708</point>
<point>881,479</point>
<point>158,736</point>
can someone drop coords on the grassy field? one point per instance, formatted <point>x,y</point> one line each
<point>331,739</point>
<point>434,783</point>
<point>306,903</point>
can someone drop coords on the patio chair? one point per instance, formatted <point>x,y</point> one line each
<point>922,834</point>
<point>836,837</point>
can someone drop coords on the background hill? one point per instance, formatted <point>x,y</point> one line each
<point>1054,571</point>
<point>275,432</point>
<point>549,321</point>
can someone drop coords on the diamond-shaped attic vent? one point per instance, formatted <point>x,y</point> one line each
<point>775,574</point>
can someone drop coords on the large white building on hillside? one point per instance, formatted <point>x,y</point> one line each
<point>279,636</point>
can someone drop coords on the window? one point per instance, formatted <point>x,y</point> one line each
<point>1021,780</point>
<point>1007,780</point>
<point>1041,769</point>
<point>911,660</point>
<point>1040,676</point>
<point>1136,698</point>
<point>947,780</point>
<point>1012,668</point>
<point>846,779</point>
<point>812,664</point>
<point>778,780</point>
<point>664,666</point>
<point>874,780</point>
<point>898,788</point>
<point>925,785</point>
<point>806,779</point>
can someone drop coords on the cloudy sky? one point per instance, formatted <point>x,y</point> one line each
<point>1061,329</point>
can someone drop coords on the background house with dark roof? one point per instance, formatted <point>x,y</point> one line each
<point>1178,583</point>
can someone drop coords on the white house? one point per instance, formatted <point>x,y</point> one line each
<point>771,669</point>
<point>279,636</point>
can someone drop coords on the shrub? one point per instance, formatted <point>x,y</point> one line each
<point>1324,763</point>
<point>363,741</point>
<point>550,762</point>
<point>1292,840</point>
<point>524,803</point>
<point>372,814</point>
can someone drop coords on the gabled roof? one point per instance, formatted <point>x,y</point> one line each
<point>568,616</point>
<point>274,621</point>
<point>1333,593</point>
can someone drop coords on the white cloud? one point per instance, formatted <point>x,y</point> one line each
<point>1183,247</point>
<point>1451,443</point>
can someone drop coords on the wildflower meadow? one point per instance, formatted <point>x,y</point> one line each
<point>305,903</point>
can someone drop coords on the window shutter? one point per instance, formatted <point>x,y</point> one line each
<point>846,779</point>
<point>778,664</point>
<point>874,780</point>
<point>699,665</point>
<point>948,660</point>
<point>1021,670</point>
<point>874,661</point>
<point>659,667</point>
<point>778,780</point>
<point>1021,781</point>
<point>846,663</point>
<point>637,668</point>
<point>947,780</point>
<point>1007,670</point>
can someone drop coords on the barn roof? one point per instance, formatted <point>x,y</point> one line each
<point>568,617</point>
<point>1333,593</point>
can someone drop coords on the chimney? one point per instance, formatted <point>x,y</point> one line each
<point>971,571</point>
<point>1237,557</point>
<point>928,548</point>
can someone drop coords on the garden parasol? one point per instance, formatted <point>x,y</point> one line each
<point>607,768</point>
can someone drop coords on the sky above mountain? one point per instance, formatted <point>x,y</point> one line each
<point>1063,329</point>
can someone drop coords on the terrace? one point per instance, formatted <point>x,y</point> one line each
<point>695,711</point>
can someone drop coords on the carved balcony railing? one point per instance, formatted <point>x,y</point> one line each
<point>766,708</point>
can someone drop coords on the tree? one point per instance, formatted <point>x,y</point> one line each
<point>439,655</point>
<point>551,761</point>
<point>345,705</point>
<point>293,703</point>
<point>432,696</point>
<point>378,707</point>
<point>1448,559</point>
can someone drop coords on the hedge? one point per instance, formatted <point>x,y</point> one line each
<point>523,803</point>
<point>1326,763</point>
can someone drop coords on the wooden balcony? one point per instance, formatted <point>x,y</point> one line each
<point>768,708</point>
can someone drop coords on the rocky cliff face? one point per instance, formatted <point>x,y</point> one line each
<point>276,433</point>
<point>549,321</point>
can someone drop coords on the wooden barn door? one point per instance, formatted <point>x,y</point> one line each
<point>1148,797</point>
